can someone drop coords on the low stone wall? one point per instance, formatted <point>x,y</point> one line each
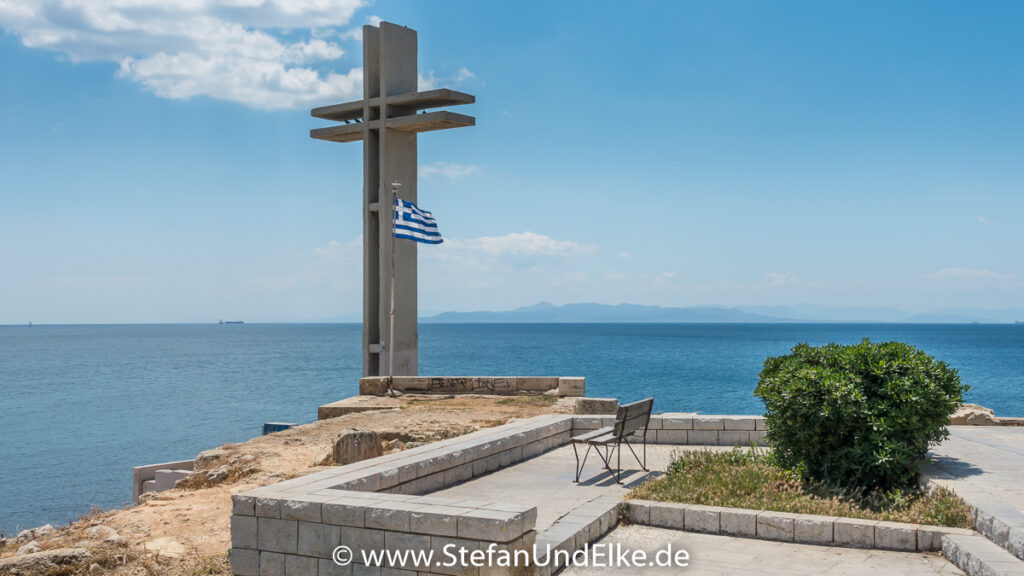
<point>684,429</point>
<point>503,385</point>
<point>786,527</point>
<point>145,478</point>
<point>294,526</point>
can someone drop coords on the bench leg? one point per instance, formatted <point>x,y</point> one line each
<point>642,463</point>
<point>579,465</point>
<point>618,463</point>
<point>606,458</point>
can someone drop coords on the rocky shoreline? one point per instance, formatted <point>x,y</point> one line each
<point>186,531</point>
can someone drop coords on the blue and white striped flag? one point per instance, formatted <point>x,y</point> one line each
<point>415,224</point>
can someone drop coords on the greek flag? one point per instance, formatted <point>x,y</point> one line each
<point>415,224</point>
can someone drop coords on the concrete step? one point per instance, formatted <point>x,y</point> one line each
<point>994,518</point>
<point>979,556</point>
<point>1000,523</point>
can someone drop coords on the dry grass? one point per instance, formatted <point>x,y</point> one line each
<point>236,474</point>
<point>747,479</point>
<point>531,400</point>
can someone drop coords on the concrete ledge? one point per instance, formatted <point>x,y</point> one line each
<point>978,556</point>
<point>341,408</point>
<point>776,526</point>
<point>578,528</point>
<point>143,474</point>
<point>688,429</point>
<point>596,406</point>
<point>502,385</point>
<point>787,527</point>
<point>854,532</point>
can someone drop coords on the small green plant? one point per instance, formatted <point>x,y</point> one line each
<point>858,419</point>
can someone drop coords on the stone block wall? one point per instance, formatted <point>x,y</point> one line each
<point>503,385</point>
<point>377,505</point>
<point>683,429</point>
<point>277,538</point>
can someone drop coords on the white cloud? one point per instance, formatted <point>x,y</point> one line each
<point>968,274</point>
<point>787,280</point>
<point>523,244</point>
<point>640,278</point>
<point>776,279</point>
<point>625,255</point>
<point>615,275</point>
<point>448,170</point>
<point>259,53</point>
<point>572,279</point>
<point>334,249</point>
<point>430,81</point>
<point>333,263</point>
<point>983,220</point>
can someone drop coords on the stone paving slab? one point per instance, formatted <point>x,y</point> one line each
<point>547,481</point>
<point>984,465</point>
<point>725,555</point>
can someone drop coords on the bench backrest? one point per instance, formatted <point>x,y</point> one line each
<point>633,416</point>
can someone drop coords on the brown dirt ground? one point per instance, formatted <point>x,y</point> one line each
<point>187,531</point>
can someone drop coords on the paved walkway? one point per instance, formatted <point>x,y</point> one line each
<point>985,462</point>
<point>984,465</point>
<point>726,555</point>
<point>547,480</point>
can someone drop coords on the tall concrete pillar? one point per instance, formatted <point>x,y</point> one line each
<point>387,121</point>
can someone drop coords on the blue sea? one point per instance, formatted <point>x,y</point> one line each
<point>81,405</point>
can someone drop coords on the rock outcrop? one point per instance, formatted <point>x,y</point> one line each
<point>354,445</point>
<point>35,533</point>
<point>43,562</point>
<point>973,415</point>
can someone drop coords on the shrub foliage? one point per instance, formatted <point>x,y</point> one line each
<point>857,418</point>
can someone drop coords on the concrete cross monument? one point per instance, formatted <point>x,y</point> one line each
<point>387,120</point>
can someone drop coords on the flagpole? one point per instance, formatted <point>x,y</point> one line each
<point>391,329</point>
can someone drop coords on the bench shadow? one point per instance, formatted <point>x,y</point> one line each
<point>630,478</point>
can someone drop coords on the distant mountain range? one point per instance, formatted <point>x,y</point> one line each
<point>546,312</point>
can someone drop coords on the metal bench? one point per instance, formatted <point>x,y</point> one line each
<point>630,419</point>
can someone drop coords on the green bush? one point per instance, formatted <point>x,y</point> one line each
<point>857,418</point>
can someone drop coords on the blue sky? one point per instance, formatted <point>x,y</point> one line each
<point>155,164</point>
